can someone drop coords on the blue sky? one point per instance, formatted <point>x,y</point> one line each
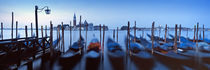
<point>113,13</point>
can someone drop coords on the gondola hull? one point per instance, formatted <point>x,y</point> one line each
<point>93,63</point>
<point>117,60</point>
<point>143,60</point>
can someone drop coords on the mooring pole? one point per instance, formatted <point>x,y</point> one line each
<point>12,25</point>
<point>175,39</point>
<point>153,24</point>
<point>129,38</point>
<point>100,32</point>
<point>165,33</point>
<point>51,38</point>
<point>203,32</point>
<point>114,34</point>
<point>42,32</point>
<point>43,41</point>
<point>117,34</point>
<point>63,38</point>
<point>197,37</point>
<point>135,32</point>
<point>2,31</point>
<point>16,29</point>
<point>45,30</point>
<point>194,33</point>
<point>127,45</point>
<point>59,37</point>
<point>31,29</point>
<point>86,36</point>
<point>26,31</point>
<point>187,32</point>
<point>142,33</point>
<point>180,32</point>
<point>36,21</point>
<point>70,34</point>
<point>103,38</point>
<point>103,47</point>
<point>80,36</point>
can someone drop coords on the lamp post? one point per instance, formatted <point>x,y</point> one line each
<point>47,11</point>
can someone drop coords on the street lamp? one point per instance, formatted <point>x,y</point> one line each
<point>47,11</point>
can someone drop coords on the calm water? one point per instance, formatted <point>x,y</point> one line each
<point>90,35</point>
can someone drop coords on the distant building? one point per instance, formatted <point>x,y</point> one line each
<point>66,26</point>
<point>124,28</point>
<point>98,27</point>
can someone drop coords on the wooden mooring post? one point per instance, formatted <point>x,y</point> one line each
<point>175,39</point>
<point>59,38</point>
<point>114,34</point>
<point>194,33</point>
<point>31,29</point>
<point>63,38</point>
<point>135,31</point>
<point>2,31</point>
<point>180,29</point>
<point>127,45</point>
<point>165,33</point>
<point>117,34</point>
<point>45,30</point>
<point>16,29</point>
<point>152,38</point>
<point>12,25</point>
<point>86,35</point>
<point>43,43</point>
<point>51,39</point>
<point>103,47</point>
<point>80,36</point>
<point>70,34</point>
<point>203,32</point>
<point>197,36</point>
<point>100,32</point>
<point>187,32</point>
<point>26,33</point>
<point>129,40</point>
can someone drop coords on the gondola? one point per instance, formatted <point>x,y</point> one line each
<point>142,58</point>
<point>115,55</point>
<point>73,55</point>
<point>93,55</point>
<point>169,58</point>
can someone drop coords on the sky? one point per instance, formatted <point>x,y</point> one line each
<point>113,13</point>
